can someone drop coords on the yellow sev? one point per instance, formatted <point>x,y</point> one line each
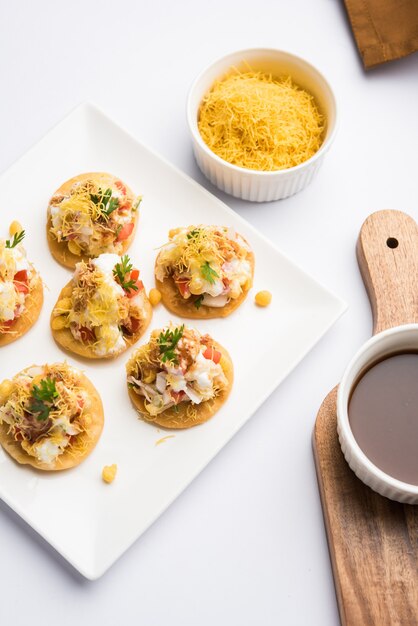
<point>256,121</point>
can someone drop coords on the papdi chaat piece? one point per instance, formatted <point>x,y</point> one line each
<point>51,416</point>
<point>103,310</point>
<point>91,214</point>
<point>180,378</point>
<point>21,289</point>
<point>204,271</point>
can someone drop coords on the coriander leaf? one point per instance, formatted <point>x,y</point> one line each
<point>208,273</point>
<point>136,204</point>
<point>168,341</point>
<point>199,300</point>
<point>42,400</point>
<point>130,284</point>
<point>17,238</point>
<point>193,233</point>
<point>104,201</point>
<point>121,271</point>
<point>113,204</point>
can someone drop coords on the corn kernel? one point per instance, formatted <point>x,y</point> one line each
<point>15,227</point>
<point>263,298</point>
<point>58,323</point>
<point>64,305</point>
<point>6,388</point>
<point>109,473</point>
<point>74,247</point>
<point>154,296</point>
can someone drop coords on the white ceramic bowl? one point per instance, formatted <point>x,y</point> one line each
<point>398,339</point>
<point>256,185</point>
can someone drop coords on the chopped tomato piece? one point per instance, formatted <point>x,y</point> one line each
<point>183,286</point>
<point>135,324</point>
<point>119,184</point>
<point>212,354</point>
<point>21,276</point>
<point>125,231</point>
<point>177,396</point>
<point>134,274</point>
<point>87,334</point>
<point>21,281</point>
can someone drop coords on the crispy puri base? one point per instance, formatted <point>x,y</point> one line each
<point>175,303</point>
<point>180,419</point>
<point>33,306</point>
<point>59,250</point>
<point>67,459</point>
<point>65,339</point>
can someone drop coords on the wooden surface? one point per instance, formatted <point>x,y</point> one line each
<point>373,542</point>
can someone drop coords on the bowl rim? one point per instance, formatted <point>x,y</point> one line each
<point>345,433</point>
<point>192,117</point>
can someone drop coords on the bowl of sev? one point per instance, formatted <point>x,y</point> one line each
<point>261,122</point>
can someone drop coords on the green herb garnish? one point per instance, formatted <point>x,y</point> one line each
<point>136,204</point>
<point>208,273</point>
<point>199,300</point>
<point>120,272</point>
<point>42,401</point>
<point>193,233</point>
<point>17,238</point>
<point>104,201</point>
<point>168,341</point>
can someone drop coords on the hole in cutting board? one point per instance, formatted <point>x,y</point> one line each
<point>392,242</point>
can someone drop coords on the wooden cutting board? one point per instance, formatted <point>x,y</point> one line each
<point>373,542</point>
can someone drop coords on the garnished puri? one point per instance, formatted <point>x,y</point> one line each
<point>103,309</point>
<point>21,293</point>
<point>89,215</point>
<point>204,271</point>
<point>51,416</point>
<point>180,378</point>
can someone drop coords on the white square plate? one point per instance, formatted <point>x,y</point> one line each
<point>91,524</point>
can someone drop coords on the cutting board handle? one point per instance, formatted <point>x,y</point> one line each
<point>387,253</point>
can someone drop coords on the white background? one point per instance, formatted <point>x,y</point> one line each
<point>245,543</point>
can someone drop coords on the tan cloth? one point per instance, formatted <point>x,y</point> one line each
<point>384,29</point>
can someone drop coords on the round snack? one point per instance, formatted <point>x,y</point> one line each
<point>21,290</point>
<point>91,214</point>
<point>204,271</point>
<point>103,310</point>
<point>51,416</point>
<point>180,378</point>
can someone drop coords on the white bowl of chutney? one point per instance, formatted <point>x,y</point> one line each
<point>377,413</point>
